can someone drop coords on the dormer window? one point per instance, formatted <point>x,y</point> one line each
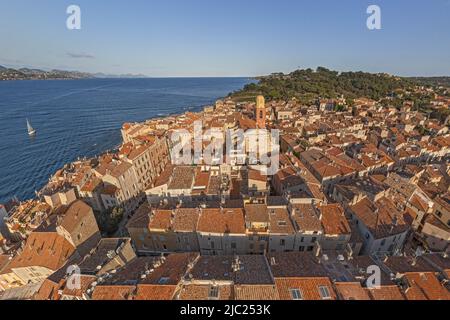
<point>296,294</point>
<point>213,293</point>
<point>324,293</point>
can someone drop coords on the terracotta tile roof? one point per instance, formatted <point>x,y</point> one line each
<point>404,264</point>
<point>182,178</point>
<point>155,292</point>
<point>222,221</point>
<point>306,217</point>
<point>171,271</point>
<point>203,292</point>
<point>85,282</point>
<point>49,250</point>
<point>161,220</point>
<point>136,152</point>
<point>141,218</point>
<point>439,260</point>
<point>48,291</point>
<point>256,175</point>
<point>91,184</point>
<point>76,213</point>
<point>351,291</point>
<point>253,269</point>
<point>114,252</point>
<point>255,292</point>
<point>381,218</point>
<point>333,219</point>
<point>186,220</point>
<point>164,177</point>
<point>213,268</point>
<point>201,179</point>
<point>133,271</point>
<point>120,169</point>
<point>309,288</point>
<point>425,286</point>
<point>279,221</point>
<point>109,189</point>
<point>385,293</point>
<point>113,292</point>
<point>256,213</point>
<point>295,264</point>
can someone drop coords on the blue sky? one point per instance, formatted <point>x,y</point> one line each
<point>227,38</point>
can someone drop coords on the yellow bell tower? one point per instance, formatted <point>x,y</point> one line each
<point>260,115</point>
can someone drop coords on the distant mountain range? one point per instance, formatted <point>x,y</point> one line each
<point>38,74</point>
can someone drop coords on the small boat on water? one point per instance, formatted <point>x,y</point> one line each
<point>31,130</point>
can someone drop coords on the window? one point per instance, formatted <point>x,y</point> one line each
<point>163,280</point>
<point>324,292</point>
<point>213,292</point>
<point>296,294</point>
<point>282,242</point>
<point>273,261</point>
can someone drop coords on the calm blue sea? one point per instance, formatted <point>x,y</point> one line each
<point>77,118</point>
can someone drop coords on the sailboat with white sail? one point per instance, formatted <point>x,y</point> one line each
<point>31,130</point>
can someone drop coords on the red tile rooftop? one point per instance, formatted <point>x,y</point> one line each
<point>256,213</point>
<point>279,221</point>
<point>351,291</point>
<point>155,292</point>
<point>424,286</point>
<point>206,292</point>
<point>295,265</point>
<point>171,271</point>
<point>333,220</point>
<point>161,220</point>
<point>222,221</point>
<point>305,289</point>
<point>391,292</point>
<point>186,220</point>
<point>306,217</point>
<point>120,292</point>
<point>256,175</point>
<point>256,292</point>
<point>49,250</point>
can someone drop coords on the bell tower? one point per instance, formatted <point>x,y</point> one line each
<point>260,115</point>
